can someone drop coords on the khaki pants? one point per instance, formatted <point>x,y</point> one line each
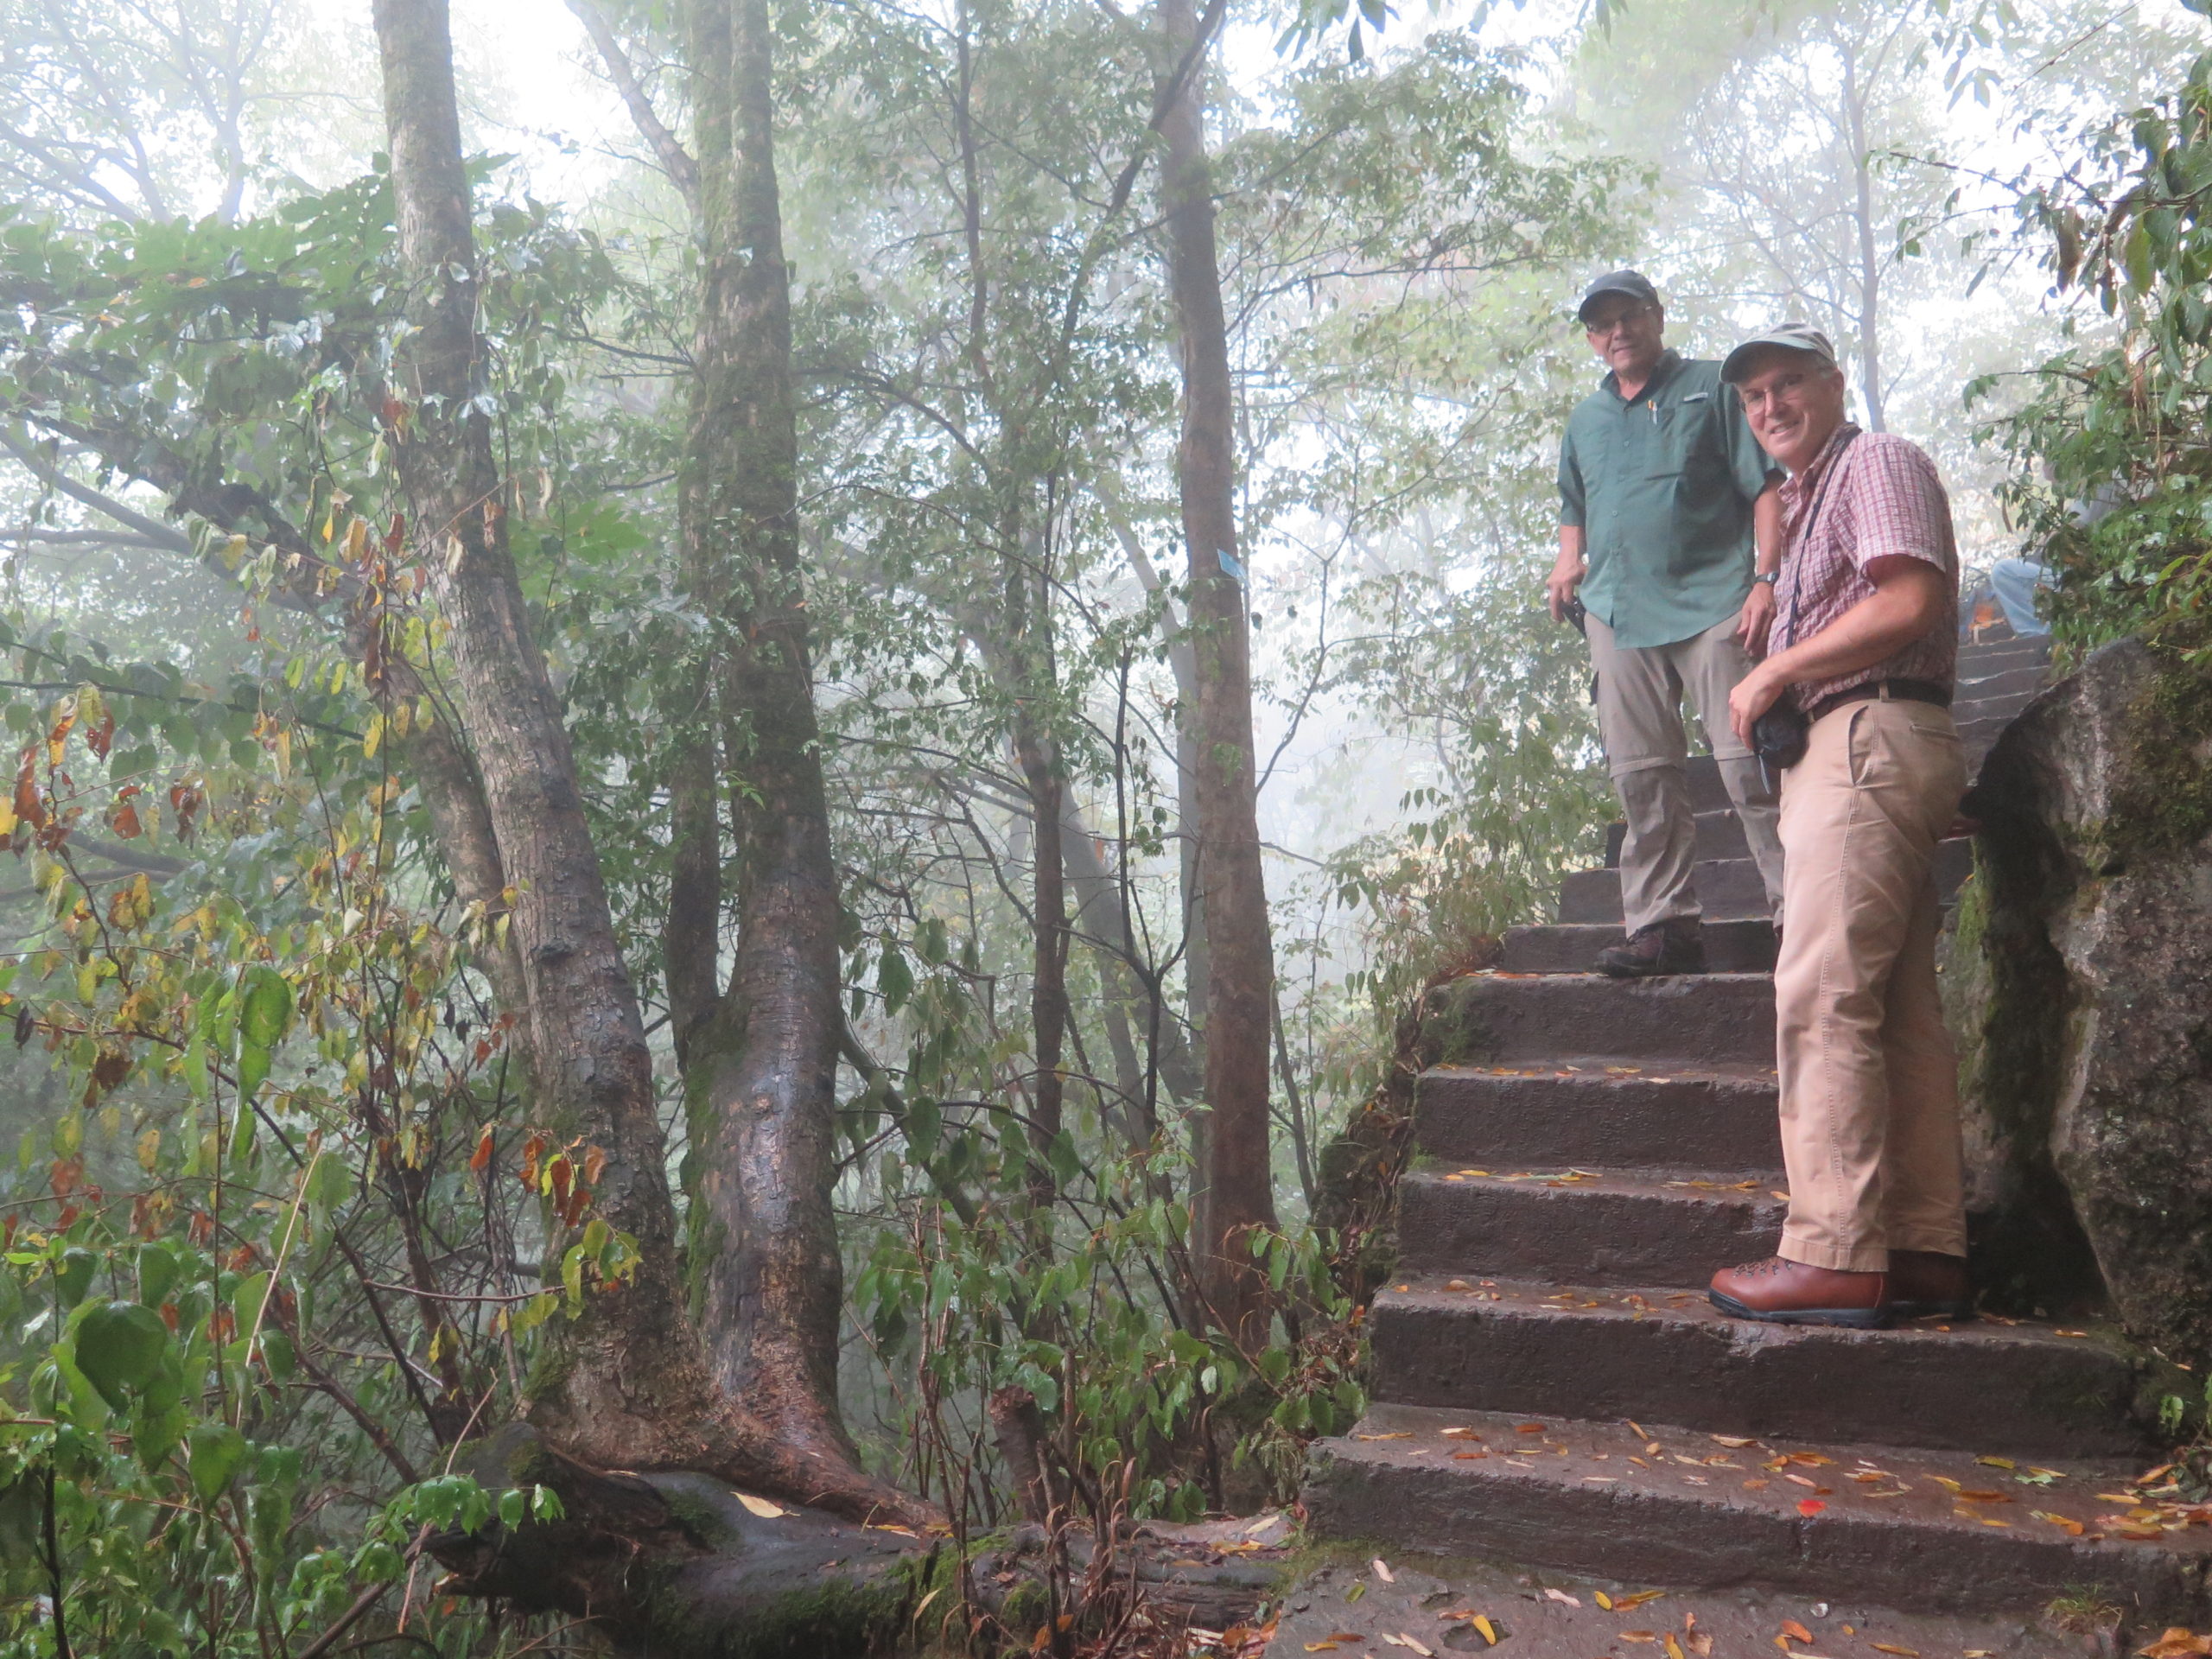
<point>1640,718</point>
<point>1870,1104</point>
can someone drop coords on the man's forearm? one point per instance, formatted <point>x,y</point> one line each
<point>1879,626</point>
<point>1571,544</point>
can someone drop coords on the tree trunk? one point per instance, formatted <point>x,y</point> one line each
<point>769,1282</point>
<point>625,1385</point>
<point>1233,1186</point>
<point>1871,386</point>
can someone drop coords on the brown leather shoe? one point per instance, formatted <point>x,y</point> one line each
<point>1674,946</point>
<point>1790,1293</point>
<point>1926,1284</point>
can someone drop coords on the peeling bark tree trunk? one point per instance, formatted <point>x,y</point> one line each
<point>626,1385</point>
<point>1233,1189</point>
<point>762,1078</point>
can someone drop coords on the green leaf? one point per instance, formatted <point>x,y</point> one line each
<point>119,1346</point>
<point>895,979</point>
<point>73,1276</point>
<point>267,1009</point>
<point>216,1450</point>
<point>253,1072</point>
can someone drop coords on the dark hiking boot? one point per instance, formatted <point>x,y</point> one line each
<point>1927,1285</point>
<point>1782,1292</point>
<point>1676,946</point>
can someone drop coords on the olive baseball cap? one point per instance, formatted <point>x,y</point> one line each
<point>1633,283</point>
<point>1789,336</point>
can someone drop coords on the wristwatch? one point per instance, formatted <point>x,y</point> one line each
<point>1770,577</point>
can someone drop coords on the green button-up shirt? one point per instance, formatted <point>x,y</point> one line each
<point>1663,488</point>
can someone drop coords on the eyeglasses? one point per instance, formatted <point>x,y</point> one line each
<point>1618,320</point>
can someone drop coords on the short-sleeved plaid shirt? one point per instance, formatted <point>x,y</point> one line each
<point>1886,501</point>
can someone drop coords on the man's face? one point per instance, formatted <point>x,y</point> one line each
<point>1794,403</point>
<point>1628,333</point>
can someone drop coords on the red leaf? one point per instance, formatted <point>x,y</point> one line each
<point>1809,1506</point>
<point>482,1155</point>
<point>101,737</point>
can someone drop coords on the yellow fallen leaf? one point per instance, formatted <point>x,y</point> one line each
<point>761,1506</point>
<point>1902,1652</point>
<point>2175,1643</point>
<point>1674,1648</point>
<point>1489,1631</point>
<point>1639,1636</point>
<point>1320,1647</point>
<point>1603,1599</point>
<point>1998,1463</point>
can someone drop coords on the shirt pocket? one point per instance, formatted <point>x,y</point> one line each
<point>1681,440</point>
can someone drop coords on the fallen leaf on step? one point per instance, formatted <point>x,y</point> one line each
<point>1528,1429</point>
<point>1796,1632</point>
<point>1756,1485</point>
<point>1985,1497</point>
<point>1481,1622</point>
<point>2071,1526</point>
<point>1639,1636</point>
<point>1732,1439</point>
<point>1637,1428</point>
<point>1459,1434</point>
<point>1346,1635</point>
<point>1625,1603</point>
<point>1457,1284</point>
<point>1811,1459</point>
<point>1800,1479</point>
<point>1810,1507</point>
<point>1409,1642</point>
<point>1359,1589</point>
<point>1561,1596</point>
<point>1779,1195</point>
<point>1320,1647</point>
<point>761,1506</point>
<point>1475,1172</point>
<point>1702,1645</point>
<point>1998,1463</point>
<point>1382,1571</point>
<point>1403,1434</point>
<point>1603,1599</point>
<point>1902,1652</point>
<point>1674,1648</point>
<point>1870,1477</point>
<point>2177,1644</point>
<point>1461,1457</point>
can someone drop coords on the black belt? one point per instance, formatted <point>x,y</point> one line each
<point>1893,690</point>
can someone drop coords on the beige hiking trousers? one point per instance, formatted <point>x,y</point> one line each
<point>1640,691</point>
<point>1870,1103</point>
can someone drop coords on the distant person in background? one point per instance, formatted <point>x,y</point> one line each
<point>1671,536</point>
<point>1866,646</point>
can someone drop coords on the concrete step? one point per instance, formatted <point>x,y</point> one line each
<point>1584,1227</point>
<point>1708,792</point>
<point>1700,1018</point>
<point>1986,1386</point>
<point>1978,662</point>
<point>1636,1112</point>
<point>1745,945</point>
<point>1720,834</point>
<point>1727,888</point>
<point>1698,1514</point>
<point>2023,682</point>
<point>1730,889</point>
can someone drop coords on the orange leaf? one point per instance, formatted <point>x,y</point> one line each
<point>1809,1506</point>
<point>1796,1632</point>
<point>482,1156</point>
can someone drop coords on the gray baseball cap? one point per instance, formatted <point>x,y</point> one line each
<point>1790,336</point>
<point>1633,283</point>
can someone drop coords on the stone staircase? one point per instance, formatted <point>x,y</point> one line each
<point>1551,1387</point>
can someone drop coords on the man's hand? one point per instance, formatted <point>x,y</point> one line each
<point>1559,588</point>
<point>1754,694</point>
<point>1757,618</point>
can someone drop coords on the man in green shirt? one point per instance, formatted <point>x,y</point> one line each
<point>1664,495</point>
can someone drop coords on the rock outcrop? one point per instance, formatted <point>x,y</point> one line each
<point>2079,977</point>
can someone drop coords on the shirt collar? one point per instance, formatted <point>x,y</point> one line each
<point>1670,360</point>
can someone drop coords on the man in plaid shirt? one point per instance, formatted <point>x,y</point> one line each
<point>1865,644</point>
